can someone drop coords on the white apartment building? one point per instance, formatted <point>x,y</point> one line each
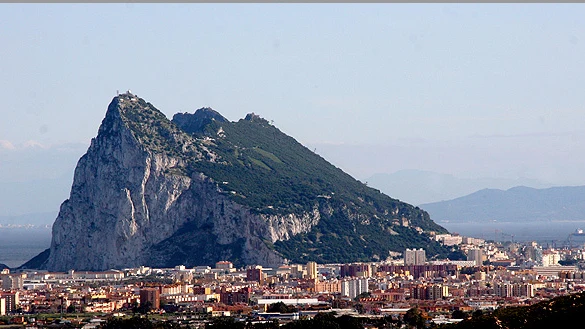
<point>551,259</point>
<point>12,281</point>
<point>507,289</point>
<point>414,257</point>
<point>475,255</point>
<point>449,239</point>
<point>354,287</point>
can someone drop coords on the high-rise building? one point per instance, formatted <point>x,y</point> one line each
<point>354,287</point>
<point>11,300</point>
<point>414,257</point>
<point>550,258</point>
<point>437,291</point>
<point>475,255</point>
<point>429,292</point>
<point>150,296</point>
<point>254,274</point>
<point>507,289</point>
<point>356,270</point>
<point>312,270</point>
<point>12,281</point>
<point>297,271</point>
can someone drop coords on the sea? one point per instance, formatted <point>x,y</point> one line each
<point>546,233</point>
<point>19,245</point>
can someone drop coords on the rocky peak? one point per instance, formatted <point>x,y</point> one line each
<point>253,117</point>
<point>195,123</point>
<point>149,191</point>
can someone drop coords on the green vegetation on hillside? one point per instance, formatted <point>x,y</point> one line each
<point>258,166</point>
<point>272,173</point>
<point>364,243</point>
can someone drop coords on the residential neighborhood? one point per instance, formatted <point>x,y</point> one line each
<point>494,275</point>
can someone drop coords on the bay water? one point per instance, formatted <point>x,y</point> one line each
<point>19,245</point>
<point>544,232</point>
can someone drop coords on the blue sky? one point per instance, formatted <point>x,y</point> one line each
<point>464,89</point>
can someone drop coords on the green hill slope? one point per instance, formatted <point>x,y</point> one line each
<point>263,168</point>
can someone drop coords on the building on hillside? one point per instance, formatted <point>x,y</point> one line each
<point>224,265</point>
<point>472,241</point>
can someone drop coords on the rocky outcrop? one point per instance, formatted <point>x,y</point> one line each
<point>128,200</point>
<point>200,189</point>
<point>196,122</point>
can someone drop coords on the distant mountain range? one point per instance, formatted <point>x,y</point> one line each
<point>421,187</point>
<point>518,204</point>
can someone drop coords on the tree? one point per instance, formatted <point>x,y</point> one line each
<point>458,314</point>
<point>414,318</point>
<point>132,323</point>
<point>349,322</point>
<point>71,308</point>
<point>477,314</point>
<point>365,294</point>
<point>145,308</point>
<point>224,322</point>
<point>281,307</point>
<point>325,321</point>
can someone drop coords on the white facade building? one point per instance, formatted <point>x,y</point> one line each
<point>475,255</point>
<point>354,287</point>
<point>414,257</point>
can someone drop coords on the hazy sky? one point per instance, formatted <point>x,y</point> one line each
<point>464,89</point>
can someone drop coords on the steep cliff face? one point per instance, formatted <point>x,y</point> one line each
<point>119,201</point>
<point>199,189</point>
<point>130,195</point>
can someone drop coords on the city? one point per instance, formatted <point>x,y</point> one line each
<point>494,275</point>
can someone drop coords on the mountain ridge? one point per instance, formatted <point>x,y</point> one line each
<point>420,187</point>
<point>153,191</point>
<point>516,204</point>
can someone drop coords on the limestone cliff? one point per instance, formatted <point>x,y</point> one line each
<point>199,189</point>
<point>129,195</point>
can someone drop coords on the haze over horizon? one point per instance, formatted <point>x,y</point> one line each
<point>469,90</point>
